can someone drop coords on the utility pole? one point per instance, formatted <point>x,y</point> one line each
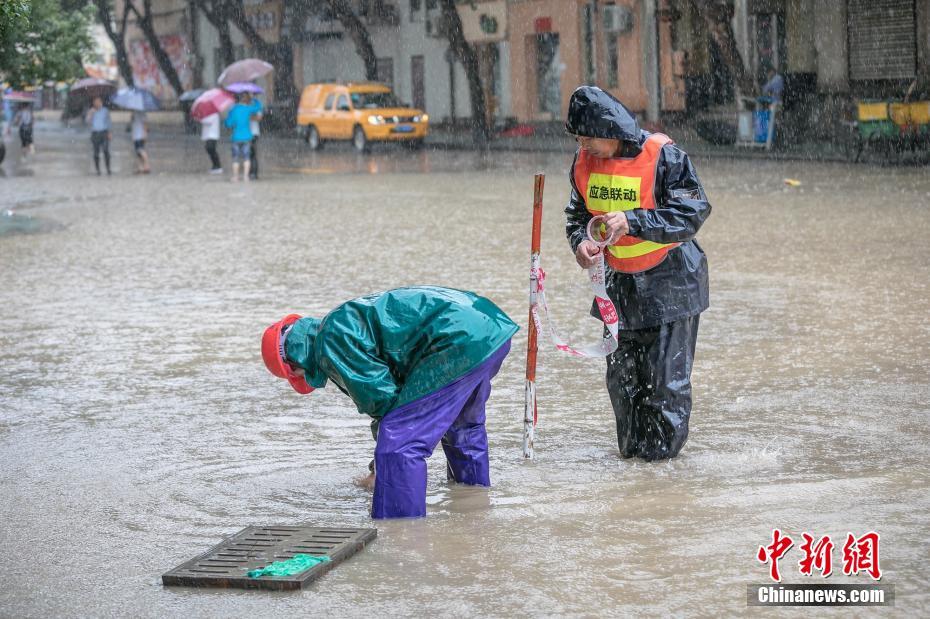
<point>651,53</point>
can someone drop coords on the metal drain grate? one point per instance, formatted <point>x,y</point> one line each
<point>226,564</point>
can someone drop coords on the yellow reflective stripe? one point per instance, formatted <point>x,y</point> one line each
<point>640,249</point>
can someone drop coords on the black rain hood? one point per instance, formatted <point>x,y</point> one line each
<point>597,114</point>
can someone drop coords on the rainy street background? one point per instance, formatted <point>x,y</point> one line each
<point>138,425</point>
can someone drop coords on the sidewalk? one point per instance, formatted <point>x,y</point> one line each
<point>547,139</point>
<point>555,139</point>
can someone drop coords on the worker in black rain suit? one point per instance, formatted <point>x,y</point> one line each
<point>653,204</point>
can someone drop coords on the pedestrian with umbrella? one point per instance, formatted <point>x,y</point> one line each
<point>239,75</point>
<point>239,120</point>
<point>95,90</point>
<point>255,127</point>
<point>100,132</point>
<point>186,100</point>
<point>139,132</point>
<point>254,123</point>
<point>210,135</point>
<point>207,108</point>
<point>23,117</point>
<point>139,101</point>
<point>7,111</point>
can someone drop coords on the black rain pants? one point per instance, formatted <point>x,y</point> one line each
<point>210,145</point>
<point>101,141</point>
<point>649,381</point>
<point>253,159</point>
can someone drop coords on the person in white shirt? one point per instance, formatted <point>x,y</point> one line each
<point>100,125</point>
<point>139,133</point>
<point>24,119</point>
<point>254,125</point>
<point>210,134</point>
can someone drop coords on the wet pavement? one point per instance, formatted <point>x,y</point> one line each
<point>138,425</point>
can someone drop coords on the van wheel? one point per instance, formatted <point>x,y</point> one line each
<point>359,141</point>
<point>313,138</point>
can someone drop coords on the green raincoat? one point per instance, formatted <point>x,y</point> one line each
<point>390,348</point>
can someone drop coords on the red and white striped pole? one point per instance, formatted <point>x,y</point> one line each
<point>530,413</point>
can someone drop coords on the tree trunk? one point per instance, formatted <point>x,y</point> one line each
<point>284,87</point>
<point>280,54</point>
<point>194,27</point>
<point>226,44</point>
<point>118,37</point>
<point>718,15</point>
<point>216,13</point>
<point>357,31</point>
<point>222,12</point>
<point>144,21</point>
<point>467,55</point>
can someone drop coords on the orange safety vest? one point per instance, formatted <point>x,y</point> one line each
<point>622,184</point>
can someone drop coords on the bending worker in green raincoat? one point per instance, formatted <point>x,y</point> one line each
<point>418,359</point>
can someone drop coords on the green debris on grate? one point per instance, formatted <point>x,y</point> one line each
<point>296,565</point>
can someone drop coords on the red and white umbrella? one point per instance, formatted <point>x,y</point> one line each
<point>245,70</point>
<point>213,101</point>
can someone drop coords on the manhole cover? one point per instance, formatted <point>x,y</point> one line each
<point>228,563</point>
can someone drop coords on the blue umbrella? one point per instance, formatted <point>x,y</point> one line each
<point>240,87</point>
<point>135,99</point>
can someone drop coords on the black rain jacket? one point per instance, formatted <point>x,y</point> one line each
<point>677,287</point>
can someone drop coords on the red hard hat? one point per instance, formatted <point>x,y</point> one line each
<point>273,354</point>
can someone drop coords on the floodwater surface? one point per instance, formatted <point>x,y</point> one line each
<point>138,425</point>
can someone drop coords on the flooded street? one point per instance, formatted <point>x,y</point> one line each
<point>138,425</point>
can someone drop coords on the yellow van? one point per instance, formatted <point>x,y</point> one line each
<point>362,113</point>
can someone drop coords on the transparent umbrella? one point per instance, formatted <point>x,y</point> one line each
<point>191,95</point>
<point>136,99</point>
<point>244,70</point>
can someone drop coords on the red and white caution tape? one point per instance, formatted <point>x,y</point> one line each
<point>597,278</point>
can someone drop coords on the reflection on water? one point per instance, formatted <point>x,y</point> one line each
<point>14,223</point>
<point>138,425</point>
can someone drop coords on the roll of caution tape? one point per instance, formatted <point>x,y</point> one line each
<point>597,277</point>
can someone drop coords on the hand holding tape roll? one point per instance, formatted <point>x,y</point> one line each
<point>598,228</point>
<point>597,234</point>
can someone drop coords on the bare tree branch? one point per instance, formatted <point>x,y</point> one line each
<point>216,14</point>
<point>357,31</point>
<point>144,20</point>
<point>117,37</point>
<point>280,55</point>
<point>717,16</point>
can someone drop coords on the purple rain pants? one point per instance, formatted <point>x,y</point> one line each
<point>408,435</point>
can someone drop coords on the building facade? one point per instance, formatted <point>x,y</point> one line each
<point>655,55</point>
<point>413,55</point>
<point>175,24</point>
